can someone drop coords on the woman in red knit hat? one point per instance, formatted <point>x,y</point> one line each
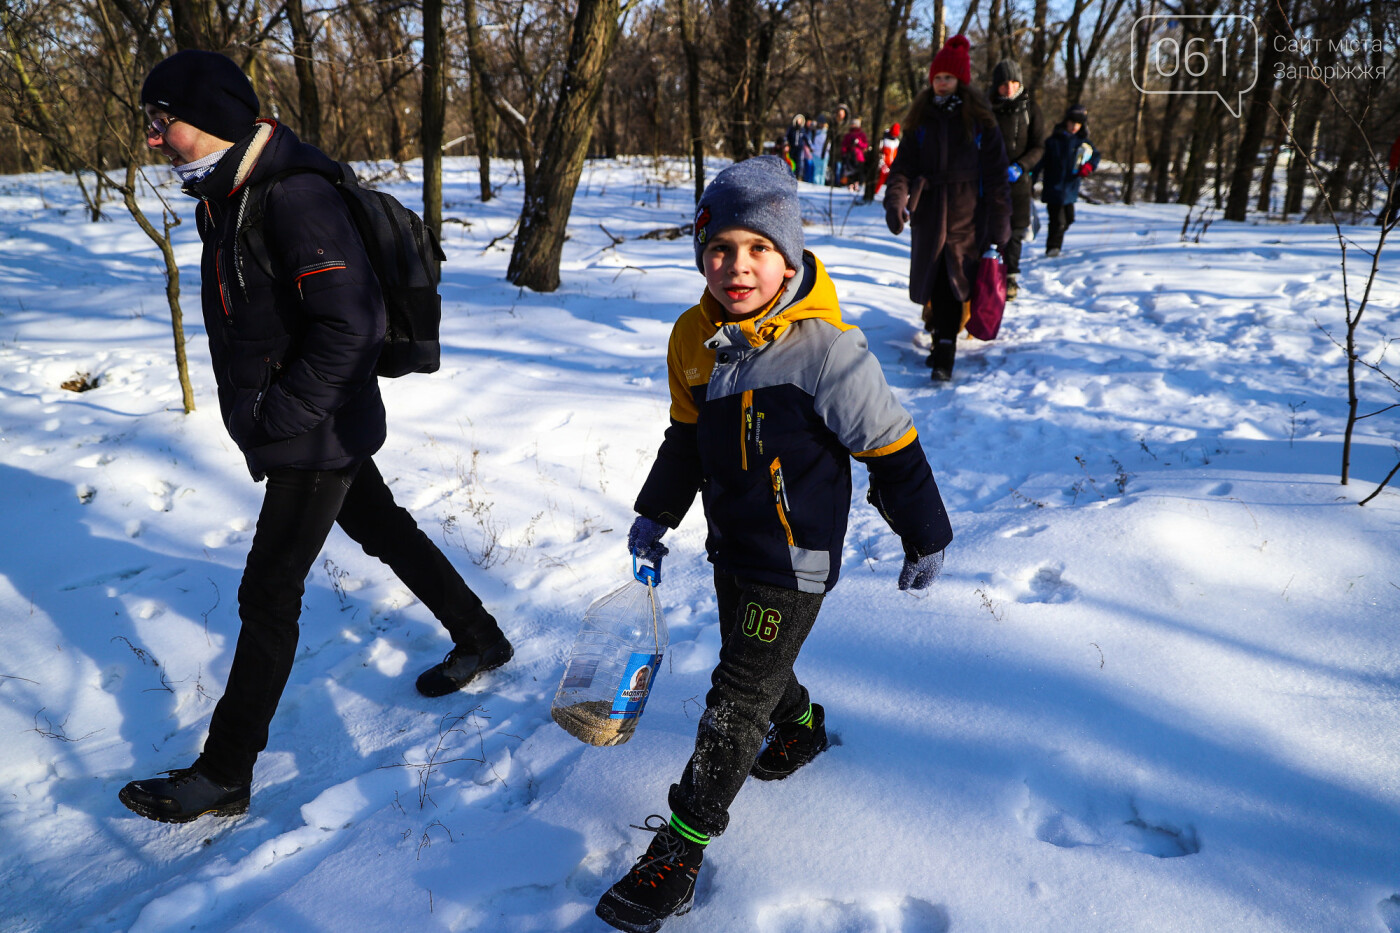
<point>948,182</point>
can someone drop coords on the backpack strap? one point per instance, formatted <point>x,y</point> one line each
<point>251,234</point>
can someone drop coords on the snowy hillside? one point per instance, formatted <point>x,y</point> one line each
<point>1158,687</point>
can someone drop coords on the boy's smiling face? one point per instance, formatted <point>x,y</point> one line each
<point>744,271</point>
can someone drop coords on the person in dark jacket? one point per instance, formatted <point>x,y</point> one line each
<point>799,142</point>
<point>772,394</point>
<point>1023,133</point>
<point>840,125</point>
<point>948,182</point>
<point>294,355</point>
<point>1069,158</point>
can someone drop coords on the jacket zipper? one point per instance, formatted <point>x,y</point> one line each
<point>262,392</point>
<point>746,428</point>
<point>223,284</point>
<point>775,472</point>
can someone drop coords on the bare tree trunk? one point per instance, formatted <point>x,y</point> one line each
<point>967,18</point>
<point>434,104</point>
<point>1040,53</point>
<point>897,11</point>
<point>1332,22</point>
<point>1139,40</point>
<point>172,280</point>
<point>736,67</point>
<point>993,38</point>
<point>1266,183</point>
<point>303,57</point>
<point>481,116</point>
<point>534,262</point>
<point>940,24</point>
<point>694,117</point>
<point>1160,156</point>
<point>1203,122</point>
<point>1271,26</point>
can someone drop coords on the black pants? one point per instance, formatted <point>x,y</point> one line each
<point>943,317</point>
<point>762,628</point>
<point>1011,253</point>
<point>1061,216</point>
<point>298,510</point>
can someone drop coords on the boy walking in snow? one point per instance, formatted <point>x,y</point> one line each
<point>294,350</point>
<point>771,394</point>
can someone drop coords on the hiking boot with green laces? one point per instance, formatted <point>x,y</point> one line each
<point>792,745</point>
<point>662,882</point>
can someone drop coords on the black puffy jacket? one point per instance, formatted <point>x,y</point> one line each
<point>294,351</point>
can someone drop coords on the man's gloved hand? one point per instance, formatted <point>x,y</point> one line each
<point>1085,169</point>
<point>644,540</point>
<point>918,574</point>
<point>1014,172</point>
<point>896,213</point>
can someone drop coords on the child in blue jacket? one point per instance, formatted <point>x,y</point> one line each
<point>1069,158</point>
<point>771,395</point>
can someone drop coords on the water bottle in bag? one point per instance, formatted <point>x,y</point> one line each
<point>614,663</point>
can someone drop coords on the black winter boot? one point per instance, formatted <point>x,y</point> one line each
<point>461,666</point>
<point>1012,288</point>
<point>660,885</point>
<point>941,358</point>
<point>182,796</point>
<point>792,745</point>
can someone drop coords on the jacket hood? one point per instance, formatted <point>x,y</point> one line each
<point>269,150</point>
<point>809,294</point>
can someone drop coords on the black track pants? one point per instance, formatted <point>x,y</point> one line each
<point>762,630</point>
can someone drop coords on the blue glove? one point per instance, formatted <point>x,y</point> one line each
<point>1014,172</point>
<point>918,574</point>
<point>644,540</point>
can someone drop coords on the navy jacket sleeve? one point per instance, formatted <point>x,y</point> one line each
<point>675,476</point>
<point>903,490</point>
<point>320,254</point>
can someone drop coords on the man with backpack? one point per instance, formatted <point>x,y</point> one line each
<point>295,335</point>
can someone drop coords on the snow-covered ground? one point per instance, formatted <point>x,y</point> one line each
<point>1158,687</point>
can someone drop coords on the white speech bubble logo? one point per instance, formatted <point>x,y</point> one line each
<point>1193,56</point>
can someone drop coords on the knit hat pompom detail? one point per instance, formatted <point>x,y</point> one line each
<point>955,58</point>
<point>206,90</point>
<point>758,194</point>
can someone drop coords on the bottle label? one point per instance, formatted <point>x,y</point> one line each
<point>579,674</point>
<point>636,685</point>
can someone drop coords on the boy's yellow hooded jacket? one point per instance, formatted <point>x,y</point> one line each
<point>765,416</point>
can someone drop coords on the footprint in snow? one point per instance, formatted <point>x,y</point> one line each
<point>1110,824</point>
<point>1024,531</point>
<point>1389,909</point>
<point>906,914</point>
<point>1048,586</point>
<point>1222,489</point>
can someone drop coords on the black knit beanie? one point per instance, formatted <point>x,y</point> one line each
<point>1006,70</point>
<point>1077,114</point>
<point>758,194</point>
<point>206,90</point>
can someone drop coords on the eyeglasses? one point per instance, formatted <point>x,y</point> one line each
<point>159,125</point>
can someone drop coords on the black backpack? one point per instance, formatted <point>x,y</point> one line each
<point>407,260</point>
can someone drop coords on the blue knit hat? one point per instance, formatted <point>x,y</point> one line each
<point>206,90</point>
<point>757,194</point>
